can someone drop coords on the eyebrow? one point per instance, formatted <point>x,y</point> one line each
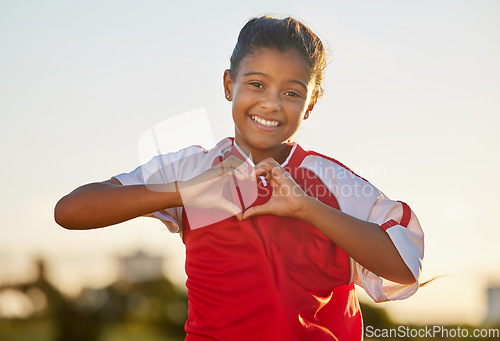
<point>253,73</point>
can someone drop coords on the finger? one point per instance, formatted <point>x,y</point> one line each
<point>278,172</point>
<point>230,207</point>
<point>221,180</point>
<point>207,176</point>
<point>220,170</point>
<point>241,172</point>
<point>263,169</point>
<point>256,210</point>
<point>267,164</point>
<point>244,168</point>
<point>236,166</point>
<point>272,173</point>
<point>233,162</point>
<point>260,172</point>
<point>264,165</point>
<point>216,181</point>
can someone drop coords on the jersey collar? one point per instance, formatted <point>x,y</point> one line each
<point>290,162</point>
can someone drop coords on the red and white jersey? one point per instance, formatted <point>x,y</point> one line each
<point>279,278</point>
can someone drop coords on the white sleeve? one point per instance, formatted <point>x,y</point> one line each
<point>165,168</point>
<point>402,226</point>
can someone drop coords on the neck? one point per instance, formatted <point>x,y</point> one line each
<point>278,153</point>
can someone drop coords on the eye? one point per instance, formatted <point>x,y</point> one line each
<point>292,94</point>
<point>256,84</point>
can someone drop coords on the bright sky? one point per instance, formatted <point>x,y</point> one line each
<point>411,103</point>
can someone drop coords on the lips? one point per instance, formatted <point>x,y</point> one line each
<point>264,122</point>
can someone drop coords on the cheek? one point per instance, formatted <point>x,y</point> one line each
<point>238,110</point>
<point>295,109</point>
<point>242,100</point>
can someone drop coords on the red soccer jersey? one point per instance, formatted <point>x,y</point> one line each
<point>279,278</point>
<point>270,277</point>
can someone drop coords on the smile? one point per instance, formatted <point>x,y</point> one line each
<point>265,122</point>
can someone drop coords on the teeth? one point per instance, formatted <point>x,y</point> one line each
<point>265,122</point>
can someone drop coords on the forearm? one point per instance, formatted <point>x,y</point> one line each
<point>365,242</point>
<point>102,204</point>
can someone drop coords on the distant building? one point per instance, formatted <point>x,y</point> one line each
<point>141,267</point>
<point>493,314</point>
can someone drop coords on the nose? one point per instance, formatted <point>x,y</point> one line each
<point>271,101</point>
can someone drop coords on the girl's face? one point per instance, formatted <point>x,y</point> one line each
<point>270,93</point>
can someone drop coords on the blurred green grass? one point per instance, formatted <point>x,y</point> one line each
<point>133,332</point>
<point>42,330</point>
<point>26,330</point>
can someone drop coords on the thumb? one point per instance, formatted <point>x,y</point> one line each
<point>231,208</point>
<point>256,210</point>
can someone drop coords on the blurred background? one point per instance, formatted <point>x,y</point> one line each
<point>411,104</point>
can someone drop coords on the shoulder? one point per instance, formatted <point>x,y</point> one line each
<point>354,194</point>
<point>327,161</point>
<point>196,153</point>
<point>178,165</point>
<point>326,166</point>
<point>193,160</point>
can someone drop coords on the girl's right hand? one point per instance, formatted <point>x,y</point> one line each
<point>206,190</point>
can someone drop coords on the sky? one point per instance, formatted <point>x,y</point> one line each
<point>410,103</point>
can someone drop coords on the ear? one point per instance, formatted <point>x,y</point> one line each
<point>228,86</point>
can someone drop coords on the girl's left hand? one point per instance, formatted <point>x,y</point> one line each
<point>288,199</point>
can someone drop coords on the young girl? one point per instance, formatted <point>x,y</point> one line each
<point>276,236</point>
